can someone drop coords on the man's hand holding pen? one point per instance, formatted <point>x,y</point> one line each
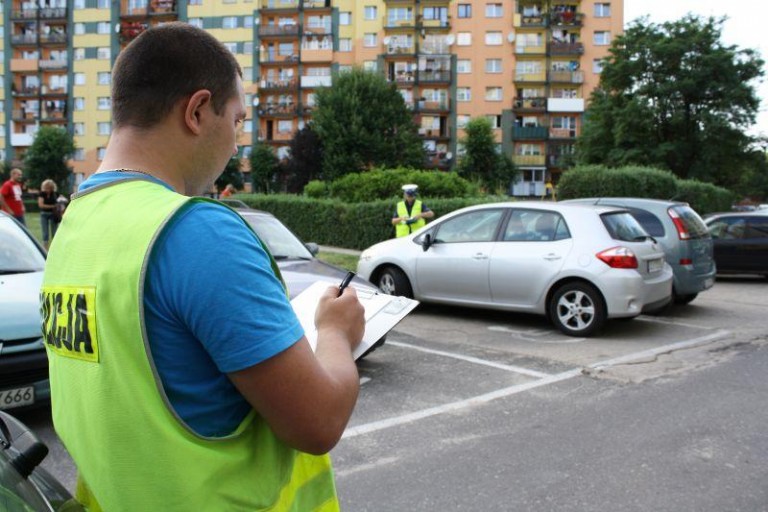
<point>341,313</point>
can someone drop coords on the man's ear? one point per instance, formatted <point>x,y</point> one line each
<point>195,110</point>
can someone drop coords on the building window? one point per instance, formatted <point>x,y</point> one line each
<point>597,66</point>
<point>370,12</point>
<point>79,155</point>
<point>195,2</point>
<point>196,22</point>
<point>285,126</point>
<point>103,4</point>
<point>79,29</point>
<point>465,10</point>
<point>463,66</point>
<point>495,121</point>
<point>493,38</point>
<point>369,65</point>
<point>345,18</point>
<point>232,47</point>
<point>248,126</point>
<point>464,39</point>
<point>369,39</point>
<point>104,128</point>
<point>602,38</point>
<point>463,94</point>
<point>229,22</point>
<point>79,78</point>
<point>248,48</point>
<point>247,21</point>
<point>602,10</point>
<point>100,152</point>
<point>345,45</point>
<point>79,104</point>
<point>248,74</point>
<point>103,53</point>
<point>493,65</point>
<point>285,49</point>
<point>79,128</point>
<point>493,11</point>
<point>103,27</point>
<point>79,53</point>
<point>462,120</point>
<point>104,78</point>
<point>79,4</point>
<point>493,94</point>
<point>104,103</point>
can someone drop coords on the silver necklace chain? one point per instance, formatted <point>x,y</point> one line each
<point>130,170</point>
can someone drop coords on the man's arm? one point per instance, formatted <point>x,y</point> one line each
<point>307,398</point>
<point>3,206</point>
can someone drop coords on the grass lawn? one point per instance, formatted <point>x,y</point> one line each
<point>345,261</point>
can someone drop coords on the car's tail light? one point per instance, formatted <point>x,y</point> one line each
<point>618,257</point>
<point>686,261</point>
<point>682,231</point>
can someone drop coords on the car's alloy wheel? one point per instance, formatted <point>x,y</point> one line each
<point>394,282</point>
<point>577,309</point>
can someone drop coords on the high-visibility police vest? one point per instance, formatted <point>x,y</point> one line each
<point>403,229</point>
<point>109,406</point>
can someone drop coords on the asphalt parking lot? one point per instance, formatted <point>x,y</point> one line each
<point>480,410</point>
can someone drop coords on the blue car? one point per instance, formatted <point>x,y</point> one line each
<point>23,362</point>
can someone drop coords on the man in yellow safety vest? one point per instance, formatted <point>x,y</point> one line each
<point>411,213</point>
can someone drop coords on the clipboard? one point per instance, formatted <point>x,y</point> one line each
<point>382,313</point>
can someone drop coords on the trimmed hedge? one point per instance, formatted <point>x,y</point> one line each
<point>341,224</point>
<point>648,182</point>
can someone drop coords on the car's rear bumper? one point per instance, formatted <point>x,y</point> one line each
<point>689,281</point>
<point>22,369</point>
<point>627,293</point>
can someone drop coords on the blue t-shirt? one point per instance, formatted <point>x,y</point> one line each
<point>212,305</point>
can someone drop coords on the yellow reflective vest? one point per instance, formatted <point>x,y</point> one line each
<point>403,229</point>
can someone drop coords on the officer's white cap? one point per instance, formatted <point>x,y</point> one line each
<point>410,188</point>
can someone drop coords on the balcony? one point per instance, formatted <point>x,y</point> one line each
<point>278,30</point>
<point>53,91</point>
<point>53,64</point>
<point>55,38</point>
<point>557,48</point>
<point>529,20</point>
<point>529,133</point>
<point>279,5</point>
<point>309,81</point>
<point>428,76</point>
<point>530,104</point>
<point>568,77</point>
<point>529,160</point>
<point>25,91</point>
<point>318,28</point>
<point>21,65</point>
<point>316,55</point>
<point>439,106</point>
<point>393,23</point>
<point>566,105</point>
<point>22,115</point>
<point>22,139</point>
<point>435,133</point>
<point>130,30</point>
<point>401,50</point>
<point>530,76</point>
<point>277,110</point>
<point>316,4</point>
<point>436,24</point>
<point>24,14</point>
<point>280,84</point>
<point>19,39</point>
<point>267,57</point>
<point>53,13</point>
<point>566,18</point>
<point>402,77</point>
<point>563,133</point>
<point>530,50</point>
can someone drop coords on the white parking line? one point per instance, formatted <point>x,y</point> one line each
<point>670,321</point>
<point>531,335</point>
<point>374,426</point>
<point>470,359</point>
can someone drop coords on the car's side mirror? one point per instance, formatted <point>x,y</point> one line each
<point>313,248</point>
<point>426,242</point>
<point>24,449</point>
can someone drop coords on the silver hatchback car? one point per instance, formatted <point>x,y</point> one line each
<point>577,264</point>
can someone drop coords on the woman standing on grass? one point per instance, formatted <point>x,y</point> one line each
<point>46,201</point>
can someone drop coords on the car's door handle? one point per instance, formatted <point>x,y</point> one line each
<point>480,256</point>
<point>552,257</point>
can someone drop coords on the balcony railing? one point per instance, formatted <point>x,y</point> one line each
<point>53,13</point>
<point>25,91</point>
<point>400,23</point>
<point>402,77</point>
<point>571,77</point>
<point>557,48</point>
<point>530,104</point>
<point>278,84</point>
<point>566,18</point>
<point>530,76</point>
<point>280,4</point>
<point>434,76</point>
<point>270,109</point>
<point>562,133</point>
<point>433,106</point>
<point>532,20</point>
<point>318,28</point>
<point>530,50</point>
<point>24,14</point>
<point>273,56</point>
<point>435,133</point>
<point>317,4</point>
<point>52,63</point>
<point>278,30</point>
<point>24,38</point>
<point>400,50</point>
<point>519,160</point>
<point>53,38</point>
<point>529,132</point>
<point>434,24</point>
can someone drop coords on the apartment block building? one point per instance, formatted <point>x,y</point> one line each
<point>527,65</point>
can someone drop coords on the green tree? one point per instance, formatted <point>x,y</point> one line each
<point>481,162</point>
<point>673,96</point>
<point>47,157</point>
<point>304,162</point>
<point>363,122</point>
<point>232,175</point>
<point>264,168</point>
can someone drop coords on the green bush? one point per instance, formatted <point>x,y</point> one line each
<point>631,181</point>
<point>704,197</point>
<point>316,189</point>
<point>342,224</point>
<point>387,183</point>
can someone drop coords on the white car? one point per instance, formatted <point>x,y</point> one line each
<point>577,264</point>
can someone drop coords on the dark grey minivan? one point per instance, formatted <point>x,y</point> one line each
<point>682,234</point>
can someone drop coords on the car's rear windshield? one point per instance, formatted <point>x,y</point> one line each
<point>692,222</point>
<point>18,253</point>
<point>623,226</point>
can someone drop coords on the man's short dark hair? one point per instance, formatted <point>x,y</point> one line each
<point>166,64</point>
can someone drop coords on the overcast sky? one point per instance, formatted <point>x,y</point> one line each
<point>744,28</point>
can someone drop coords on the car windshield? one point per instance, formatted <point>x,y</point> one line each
<point>18,253</point>
<point>623,226</point>
<point>692,222</point>
<point>282,243</point>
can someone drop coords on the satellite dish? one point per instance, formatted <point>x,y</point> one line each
<point>256,20</point>
<point>449,155</point>
<point>511,36</point>
<point>450,39</point>
<point>117,28</point>
<point>256,101</point>
<point>387,39</point>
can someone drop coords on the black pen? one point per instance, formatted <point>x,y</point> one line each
<point>347,279</point>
